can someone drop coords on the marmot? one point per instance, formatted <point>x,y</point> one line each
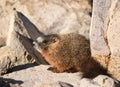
<point>68,52</point>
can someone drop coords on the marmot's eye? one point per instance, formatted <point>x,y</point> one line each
<point>54,40</point>
<point>45,41</point>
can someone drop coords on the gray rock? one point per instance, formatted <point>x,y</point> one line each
<point>2,42</point>
<point>50,16</point>
<point>13,40</point>
<point>99,81</point>
<point>6,8</point>
<point>7,59</point>
<point>104,35</point>
<point>39,76</point>
<point>105,81</point>
<point>20,38</point>
<point>57,84</point>
<point>62,16</point>
<point>5,83</point>
<point>19,48</point>
<point>98,39</point>
<point>88,83</point>
<point>113,35</point>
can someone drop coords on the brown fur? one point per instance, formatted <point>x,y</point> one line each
<point>68,51</point>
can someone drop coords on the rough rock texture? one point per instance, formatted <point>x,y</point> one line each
<point>20,38</point>
<point>19,48</point>
<point>113,35</point>
<point>13,40</point>
<point>6,83</point>
<point>57,84</point>
<point>99,81</point>
<point>50,16</point>
<point>6,7</point>
<point>104,35</point>
<point>99,47</point>
<point>2,42</point>
<point>39,76</point>
<point>7,59</point>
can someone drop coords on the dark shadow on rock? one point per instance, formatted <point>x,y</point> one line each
<point>2,42</point>
<point>28,45</point>
<point>91,3</point>
<point>24,24</point>
<point>5,82</point>
<point>117,83</point>
<point>79,54</point>
<point>32,30</point>
<point>21,67</point>
<point>64,84</point>
<point>94,69</point>
<point>91,69</point>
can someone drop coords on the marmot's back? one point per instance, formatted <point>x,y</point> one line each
<point>64,52</point>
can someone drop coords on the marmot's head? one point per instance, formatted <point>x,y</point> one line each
<point>47,43</point>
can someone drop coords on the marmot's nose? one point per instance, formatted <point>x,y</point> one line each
<point>36,46</point>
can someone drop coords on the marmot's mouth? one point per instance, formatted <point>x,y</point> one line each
<point>43,47</point>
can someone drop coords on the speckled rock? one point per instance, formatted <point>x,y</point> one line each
<point>99,81</point>
<point>50,16</point>
<point>7,59</point>
<point>39,75</point>
<point>104,35</point>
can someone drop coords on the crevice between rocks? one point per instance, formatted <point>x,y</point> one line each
<point>111,12</point>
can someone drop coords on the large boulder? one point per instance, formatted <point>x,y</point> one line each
<point>99,81</point>
<point>50,16</point>
<point>19,45</point>
<point>104,35</point>
<point>5,15</point>
<point>7,59</point>
<point>39,76</point>
<point>20,38</point>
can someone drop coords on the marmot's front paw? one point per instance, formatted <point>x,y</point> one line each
<point>53,69</point>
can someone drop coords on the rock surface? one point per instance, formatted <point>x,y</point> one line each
<point>50,16</point>
<point>6,83</point>
<point>57,84</point>
<point>113,35</point>
<point>104,35</point>
<point>39,76</point>
<point>22,33</point>
<point>99,47</point>
<point>99,81</point>
<point>59,16</point>
<point>7,59</point>
<point>19,42</point>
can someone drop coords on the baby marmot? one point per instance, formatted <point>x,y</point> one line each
<point>68,51</point>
